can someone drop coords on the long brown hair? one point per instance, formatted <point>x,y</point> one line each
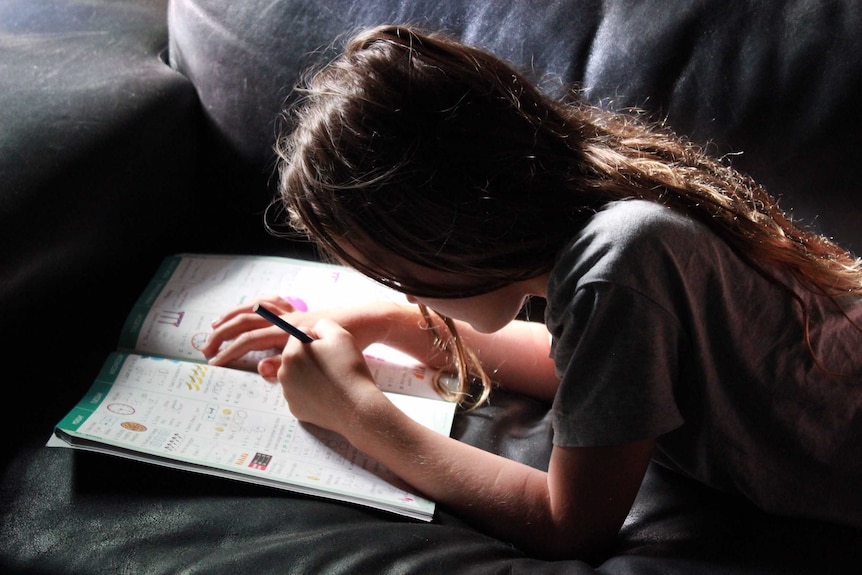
<point>445,155</point>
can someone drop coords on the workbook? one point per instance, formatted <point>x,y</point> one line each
<point>157,400</point>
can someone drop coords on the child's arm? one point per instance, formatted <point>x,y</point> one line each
<point>516,357</point>
<point>575,509</point>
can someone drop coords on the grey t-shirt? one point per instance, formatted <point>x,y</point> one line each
<point>661,330</point>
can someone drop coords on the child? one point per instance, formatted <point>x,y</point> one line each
<point>687,320</point>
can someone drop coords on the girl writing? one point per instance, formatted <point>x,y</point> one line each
<point>687,320</point>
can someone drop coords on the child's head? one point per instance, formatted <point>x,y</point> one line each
<point>413,153</point>
<point>418,147</point>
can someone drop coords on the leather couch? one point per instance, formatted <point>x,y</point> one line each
<point>130,130</point>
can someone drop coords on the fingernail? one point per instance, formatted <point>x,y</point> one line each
<point>267,370</point>
<point>296,303</point>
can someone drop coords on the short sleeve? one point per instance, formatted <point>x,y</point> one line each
<point>618,354</point>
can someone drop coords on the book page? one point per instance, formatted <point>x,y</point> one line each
<point>230,422</point>
<point>173,317</point>
<point>397,372</point>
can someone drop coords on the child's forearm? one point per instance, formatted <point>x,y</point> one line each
<point>402,327</point>
<point>501,497</point>
<point>517,357</point>
<point>434,465</point>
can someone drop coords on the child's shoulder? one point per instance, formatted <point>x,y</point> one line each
<point>639,228</point>
<point>628,240</point>
<point>632,218</point>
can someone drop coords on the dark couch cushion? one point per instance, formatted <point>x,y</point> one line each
<point>97,147</point>
<point>773,84</point>
<point>70,512</point>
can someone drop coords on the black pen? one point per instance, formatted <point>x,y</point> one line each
<point>274,319</point>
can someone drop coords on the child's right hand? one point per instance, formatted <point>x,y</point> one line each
<point>325,381</point>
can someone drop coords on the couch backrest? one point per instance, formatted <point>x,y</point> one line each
<point>771,83</point>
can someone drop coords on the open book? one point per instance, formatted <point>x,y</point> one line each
<point>156,399</point>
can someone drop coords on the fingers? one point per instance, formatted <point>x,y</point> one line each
<point>233,341</point>
<point>241,330</point>
<point>326,328</point>
<point>332,345</point>
<point>266,339</point>
<point>276,303</point>
<point>334,350</point>
<point>231,327</point>
<point>268,368</point>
